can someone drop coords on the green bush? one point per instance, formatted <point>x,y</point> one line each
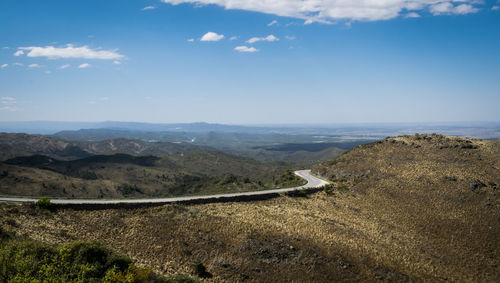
<point>328,189</point>
<point>28,261</point>
<point>44,203</point>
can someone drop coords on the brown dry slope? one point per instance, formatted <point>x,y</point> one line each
<point>437,195</point>
<point>404,209</point>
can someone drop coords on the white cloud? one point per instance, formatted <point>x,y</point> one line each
<point>48,72</point>
<point>272,23</point>
<point>18,53</point>
<point>233,37</point>
<point>84,65</point>
<point>495,8</point>
<point>148,8</point>
<point>18,64</point>
<point>412,15</point>
<point>34,66</point>
<point>117,62</point>
<point>69,51</point>
<point>446,8</point>
<point>289,37</point>
<point>211,36</point>
<point>65,66</point>
<point>465,9</point>
<point>190,40</point>
<point>333,10</point>
<point>4,66</point>
<point>246,49</point>
<point>269,38</point>
<point>105,98</point>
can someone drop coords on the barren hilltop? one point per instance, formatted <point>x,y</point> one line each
<point>409,208</point>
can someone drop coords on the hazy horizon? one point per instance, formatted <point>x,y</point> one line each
<point>250,63</point>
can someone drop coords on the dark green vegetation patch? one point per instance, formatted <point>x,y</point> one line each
<point>28,261</point>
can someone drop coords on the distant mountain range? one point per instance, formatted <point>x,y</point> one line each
<point>485,130</point>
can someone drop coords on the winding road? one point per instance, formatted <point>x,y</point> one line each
<point>312,182</point>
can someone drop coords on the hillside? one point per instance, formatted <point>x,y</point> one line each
<point>124,175</point>
<point>14,145</point>
<point>411,208</point>
<point>293,149</point>
<point>437,196</point>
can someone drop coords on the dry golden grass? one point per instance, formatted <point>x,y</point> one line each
<point>403,213</point>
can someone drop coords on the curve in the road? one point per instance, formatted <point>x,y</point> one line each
<point>312,182</point>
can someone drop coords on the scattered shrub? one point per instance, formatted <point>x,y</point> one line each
<point>127,189</point>
<point>11,222</point>
<point>297,193</point>
<point>328,189</point>
<point>3,234</point>
<point>343,187</point>
<point>44,203</point>
<point>28,261</point>
<point>201,271</point>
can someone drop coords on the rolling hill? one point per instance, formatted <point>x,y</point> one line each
<point>40,165</point>
<point>410,208</point>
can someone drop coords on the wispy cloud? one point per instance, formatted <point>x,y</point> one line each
<point>272,23</point>
<point>4,66</point>
<point>69,51</point>
<point>328,11</point>
<point>65,66</point>
<point>190,40</point>
<point>446,8</point>
<point>211,36</point>
<point>34,66</point>
<point>290,37</point>
<point>8,103</point>
<point>148,8</point>
<point>99,100</point>
<point>233,38</point>
<point>246,49</point>
<point>7,100</point>
<point>269,38</point>
<point>495,8</point>
<point>84,66</point>
<point>117,62</point>
<point>18,64</point>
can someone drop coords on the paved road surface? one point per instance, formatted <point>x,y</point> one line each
<point>312,182</point>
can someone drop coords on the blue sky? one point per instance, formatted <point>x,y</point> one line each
<point>278,61</point>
